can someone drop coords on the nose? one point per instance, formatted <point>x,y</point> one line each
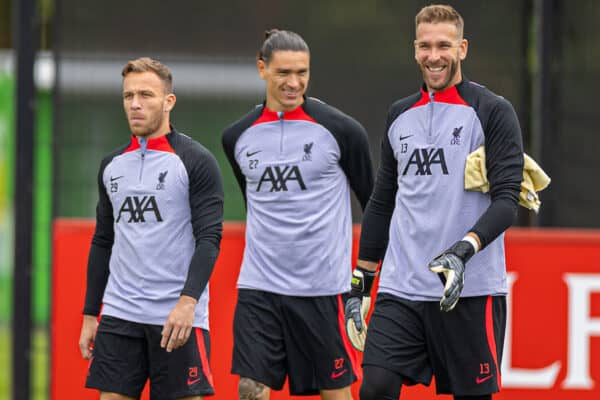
<point>135,102</point>
<point>293,81</point>
<point>434,53</point>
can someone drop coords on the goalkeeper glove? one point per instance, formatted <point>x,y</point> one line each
<point>450,267</point>
<point>357,306</point>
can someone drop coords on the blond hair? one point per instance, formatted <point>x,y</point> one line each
<point>147,64</point>
<point>436,13</point>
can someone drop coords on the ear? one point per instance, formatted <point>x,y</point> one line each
<point>463,49</point>
<point>170,101</point>
<point>261,66</point>
<point>415,47</point>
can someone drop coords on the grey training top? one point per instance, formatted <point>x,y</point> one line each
<point>158,229</point>
<point>419,203</point>
<point>296,169</point>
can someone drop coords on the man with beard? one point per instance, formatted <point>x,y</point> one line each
<point>433,236</point>
<point>158,231</point>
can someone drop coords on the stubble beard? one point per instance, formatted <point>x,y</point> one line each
<point>151,127</point>
<point>445,84</point>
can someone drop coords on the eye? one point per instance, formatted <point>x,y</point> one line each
<point>127,96</point>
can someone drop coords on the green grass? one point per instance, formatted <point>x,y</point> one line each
<point>39,365</point>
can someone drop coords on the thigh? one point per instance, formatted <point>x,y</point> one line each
<point>466,345</point>
<point>258,347</point>
<point>119,363</point>
<point>320,356</point>
<point>182,373</point>
<point>396,339</point>
<point>380,384</point>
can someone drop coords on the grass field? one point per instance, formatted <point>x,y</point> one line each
<point>39,363</point>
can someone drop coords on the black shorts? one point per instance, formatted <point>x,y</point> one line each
<point>462,348</point>
<point>127,354</point>
<point>300,337</point>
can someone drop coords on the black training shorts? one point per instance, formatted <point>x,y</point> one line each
<point>127,353</point>
<point>301,337</point>
<point>462,348</point>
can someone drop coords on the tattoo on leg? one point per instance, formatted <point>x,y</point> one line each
<point>249,389</point>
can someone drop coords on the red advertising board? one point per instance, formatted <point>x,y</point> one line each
<point>552,349</point>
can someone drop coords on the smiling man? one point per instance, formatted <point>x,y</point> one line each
<point>295,159</point>
<point>441,302</point>
<point>158,230</point>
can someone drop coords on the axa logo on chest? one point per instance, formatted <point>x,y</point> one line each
<point>421,162</point>
<point>138,209</point>
<point>278,178</point>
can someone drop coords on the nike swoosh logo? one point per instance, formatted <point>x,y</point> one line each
<point>479,380</point>
<point>404,137</point>
<point>114,179</point>
<point>248,154</point>
<point>335,375</point>
<point>190,382</point>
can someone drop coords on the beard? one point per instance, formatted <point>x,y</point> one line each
<point>445,83</point>
<point>150,125</point>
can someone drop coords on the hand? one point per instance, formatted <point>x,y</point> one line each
<point>357,306</point>
<point>356,326</point>
<point>89,326</point>
<point>450,267</point>
<point>178,326</point>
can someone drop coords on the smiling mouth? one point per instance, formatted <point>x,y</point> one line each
<point>435,69</point>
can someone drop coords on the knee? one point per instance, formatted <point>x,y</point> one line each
<point>249,389</point>
<point>374,392</point>
<point>380,384</point>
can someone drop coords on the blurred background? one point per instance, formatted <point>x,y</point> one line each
<point>542,55</point>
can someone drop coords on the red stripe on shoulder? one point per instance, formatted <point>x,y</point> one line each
<point>297,114</point>
<point>160,144</point>
<point>423,100</point>
<point>266,116</point>
<point>450,96</point>
<point>133,145</point>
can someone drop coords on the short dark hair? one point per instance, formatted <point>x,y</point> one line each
<point>280,40</point>
<point>437,13</point>
<point>147,64</point>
